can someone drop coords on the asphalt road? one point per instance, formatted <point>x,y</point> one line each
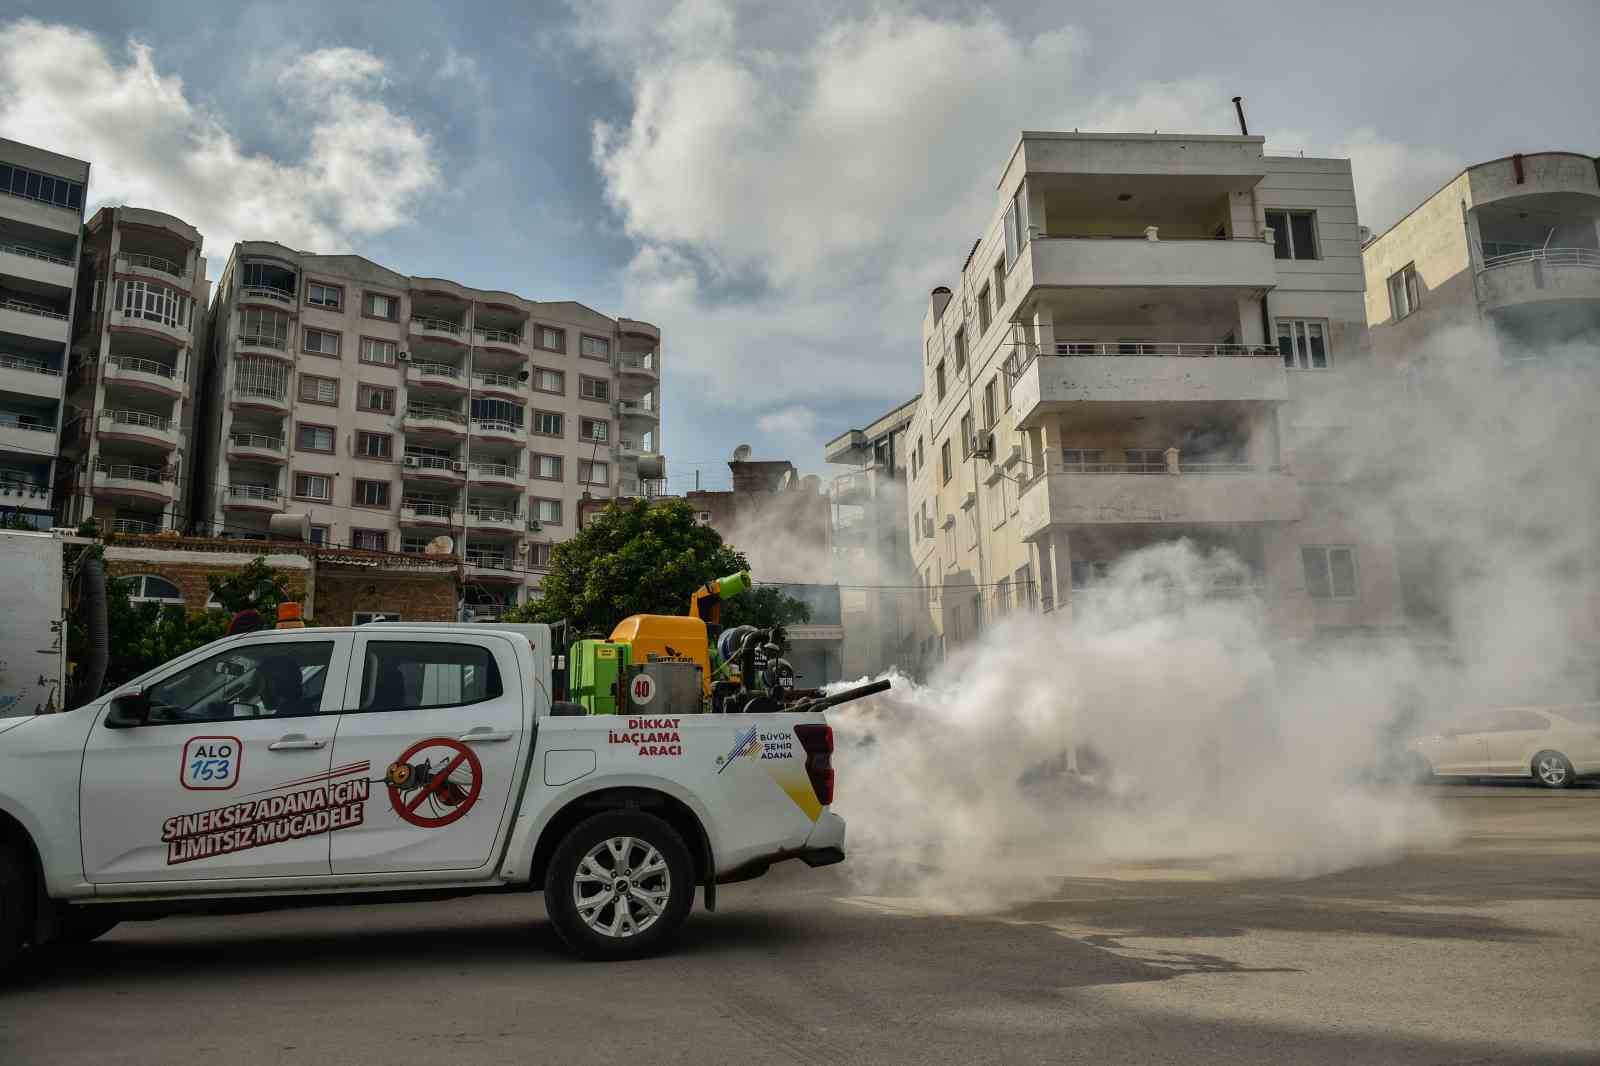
<point>1486,952</point>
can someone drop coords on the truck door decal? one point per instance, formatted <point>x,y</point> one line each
<point>444,793</point>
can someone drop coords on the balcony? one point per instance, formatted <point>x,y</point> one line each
<point>30,376</point>
<point>252,396</point>
<point>21,433</point>
<point>136,484</point>
<point>487,519</point>
<point>137,526</point>
<point>435,376</point>
<point>497,475</point>
<point>257,447</point>
<point>433,420</point>
<point>1145,372</point>
<point>638,364</point>
<point>500,339</point>
<point>1539,275</point>
<point>268,296</point>
<point>1128,262</point>
<point>428,514</point>
<point>28,319</point>
<point>150,266</point>
<point>438,329</point>
<point>1141,494</point>
<point>137,427</point>
<point>508,386</point>
<point>143,375</point>
<point>638,410</point>
<point>264,344</point>
<point>152,323</point>
<point>261,498</point>
<point>498,430</point>
<point>36,264</point>
<point>432,468</point>
<point>486,565</point>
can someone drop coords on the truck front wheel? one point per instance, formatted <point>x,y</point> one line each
<point>16,906</point>
<point>619,885</point>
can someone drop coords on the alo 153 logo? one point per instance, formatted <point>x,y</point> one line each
<point>210,763</point>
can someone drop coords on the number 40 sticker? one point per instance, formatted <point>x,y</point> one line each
<point>210,763</point>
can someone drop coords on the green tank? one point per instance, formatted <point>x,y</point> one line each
<point>593,669</point>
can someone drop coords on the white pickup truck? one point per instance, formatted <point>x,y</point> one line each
<point>394,761</point>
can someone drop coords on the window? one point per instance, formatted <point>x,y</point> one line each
<point>945,469</point>
<point>546,467</point>
<point>1016,225</point>
<point>264,327</point>
<point>280,679</point>
<point>328,296</point>
<point>415,675</point>
<point>1025,585</point>
<point>1405,292</point>
<point>594,347</point>
<point>1294,234</point>
<point>938,378</point>
<point>370,493</point>
<point>1145,460</point>
<point>321,534</point>
<point>319,390</point>
<point>590,473</point>
<point>594,429</point>
<point>984,314</point>
<point>550,339</point>
<point>321,342</point>
<point>1084,460</point>
<point>990,415</point>
<point>148,588</point>
<point>375,398</point>
<point>1303,344</point>
<point>313,486</point>
<point>539,553</point>
<point>314,439</point>
<point>547,511</point>
<point>922,459</point>
<point>374,445</point>
<point>492,410</point>
<point>999,286</point>
<point>1330,572</point>
<point>594,389</point>
<point>547,423</point>
<point>372,540</point>
<point>378,353</point>
<point>377,305</point>
<point>361,618</point>
<point>966,435</point>
<point>553,381</point>
<point>27,183</point>
<point>156,303</point>
<point>961,349</point>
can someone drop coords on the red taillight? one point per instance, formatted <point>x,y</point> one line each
<point>818,742</point>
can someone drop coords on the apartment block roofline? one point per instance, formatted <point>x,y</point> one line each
<point>899,413</point>
<point>1058,135</point>
<point>57,158</point>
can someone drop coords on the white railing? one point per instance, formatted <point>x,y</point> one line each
<point>1580,257</point>
<point>135,525</point>
<point>267,392</point>
<point>498,336</point>
<point>262,340</point>
<point>488,560</point>
<point>22,362</point>
<point>438,370</point>
<point>139,418</point>
<point>266,292</point>
<point>35,253</point>
<point>494,425</point>
<point>430,462</point>
<point>256,440</point>
<point>500,470</point>
<point>426,507</point>
<point>131,472</point>
<point>438,324</point>
<point>31,309</point>
<point>504,381</point>
<point>252,492</point>
<point>1141,235</point>
<point>143,366</point>
<point>638,362</point>
<point>16,422</point>
<point>491,514</point>
<point>153,262</point>
<point>428,410</point>
<point>1152,467</point>
<point>1188,349</point>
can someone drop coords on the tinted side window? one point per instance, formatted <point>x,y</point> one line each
<point>274,679</point>
<point>414,675</point>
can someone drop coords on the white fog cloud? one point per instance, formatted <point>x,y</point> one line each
<point>789,421</point>
<point>363,170</point>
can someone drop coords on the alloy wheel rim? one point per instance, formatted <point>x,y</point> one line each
<point>621,887</point>
<point>1552,771</point>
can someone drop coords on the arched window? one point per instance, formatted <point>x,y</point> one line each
<point>149,588</point>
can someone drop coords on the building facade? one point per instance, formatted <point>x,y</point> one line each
<point>396,410</point>
<point>140,327</point>
<point>42,198</point>
<point>1148,342</point>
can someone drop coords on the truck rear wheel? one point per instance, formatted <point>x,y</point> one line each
<point>16,906</point>
<point>619,885</point>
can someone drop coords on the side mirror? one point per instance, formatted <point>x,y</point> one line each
<point>128,710</point>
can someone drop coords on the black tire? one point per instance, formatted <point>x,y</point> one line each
<point>1553,770</point>
<point>16,906</point>
<point>75,928</point>
<point>639,931</point>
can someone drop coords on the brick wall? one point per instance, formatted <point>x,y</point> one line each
<point>191,577</point>
<point>424,596</point>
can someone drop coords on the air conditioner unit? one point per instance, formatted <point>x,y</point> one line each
<point>459,467</point>
<point>534,525</point>
<point>982,445</point>
<point>404,357</point>
<point>410,460</point>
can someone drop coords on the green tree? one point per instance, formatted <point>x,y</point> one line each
<point>256,586</point>
<point>636,557</point>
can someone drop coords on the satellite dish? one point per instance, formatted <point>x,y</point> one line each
<point>741,453</point>
<point>440,546</point>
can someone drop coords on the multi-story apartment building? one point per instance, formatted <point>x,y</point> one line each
<point>1513,242</point>
<point>871,543</point>
<point>41,219</point>
<point>141,321</point>
<point>396,410</point>
<point>1146,343</point>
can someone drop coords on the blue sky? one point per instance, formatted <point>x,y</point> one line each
<point>776,185</point>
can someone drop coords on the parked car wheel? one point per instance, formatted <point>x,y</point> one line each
<point>619,885</point>
<point>16,906</point>
<point>1552,770</point>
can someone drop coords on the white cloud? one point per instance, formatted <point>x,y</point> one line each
<point>363,170</point>
<point>793,421</point>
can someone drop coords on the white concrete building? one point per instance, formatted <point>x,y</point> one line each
<point>41,219</point>
<point>141,320</point>
<point>393,410</point>
<point>1146,342</point>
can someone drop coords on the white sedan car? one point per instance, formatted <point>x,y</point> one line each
<point>1554,745</point>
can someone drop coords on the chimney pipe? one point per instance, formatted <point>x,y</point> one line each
<point>1238,105</point>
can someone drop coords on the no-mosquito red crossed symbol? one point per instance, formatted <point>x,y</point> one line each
<point>451,798</point>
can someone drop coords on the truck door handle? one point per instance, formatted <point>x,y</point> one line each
<point>485,735</point>
<point>296,742</point>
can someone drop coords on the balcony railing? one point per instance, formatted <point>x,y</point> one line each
<point>1153,467</point>
<point>151,262</point>
<point>256,440</point>
<point>503,381</point>
<point>494,425</point>
<point>22,362</point>
<point>129,472</point>
<point>266,292</point>
<point>430,410</point>
<point>31,309</point>
<point>143,366</point>
<point>267,392</point>
<point>263,340</point>
<point>1580,257</point>
<point>35,253</point>
<point>139,418</point>
<point>499,470</point>
<point>491,514</point>
<point>135,525</point>
<point>15,422</point>
<point>429,462</point>
<point>438,370</point>
<point>498,336</point>
<point>645,362</point>
<point>1186,349</point>
<point>426,507</point>
<point>488,560</point>
<point>253,492</point>
<point>437,324</point>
